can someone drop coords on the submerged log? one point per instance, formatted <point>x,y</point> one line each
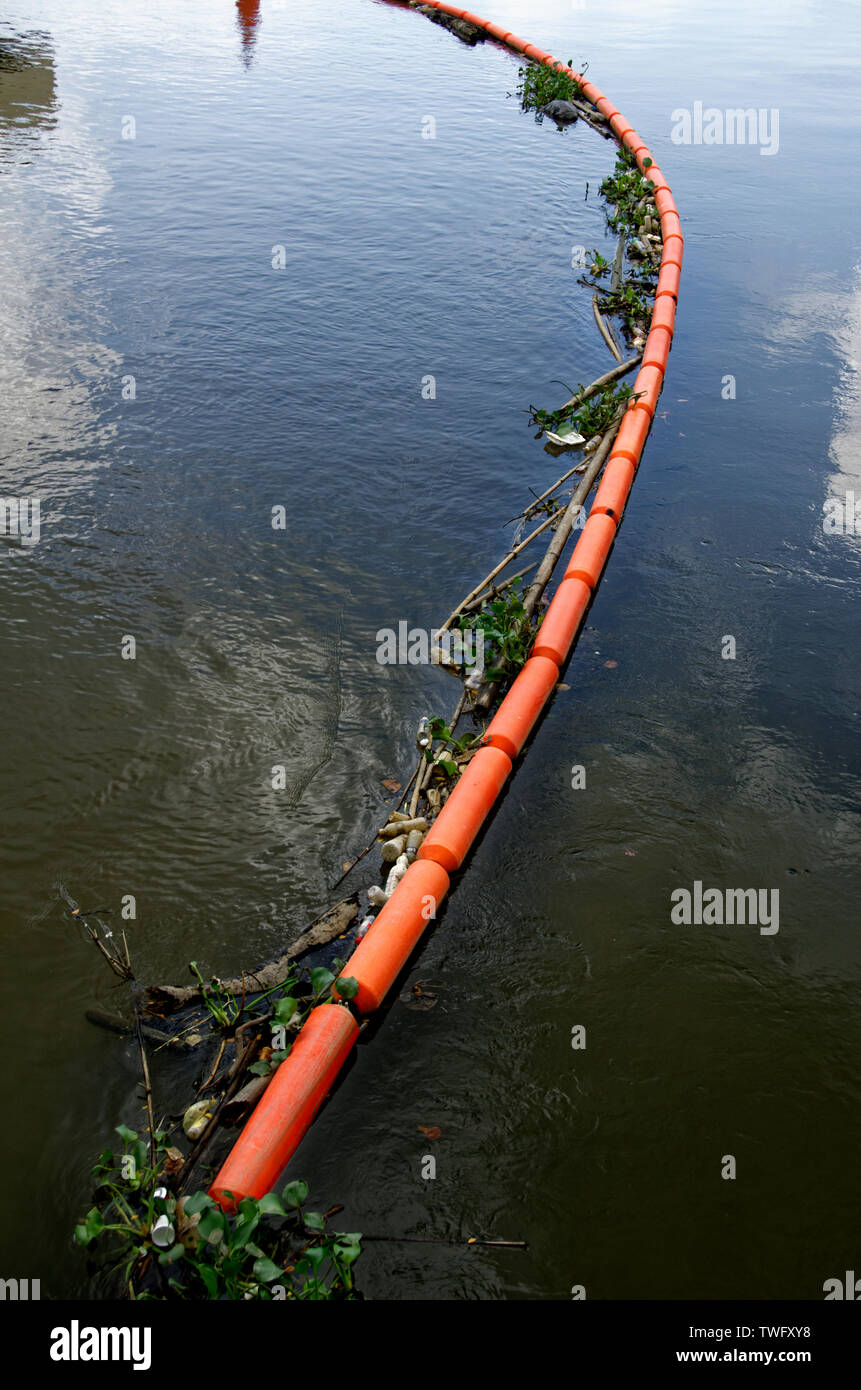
<point>166,999</point>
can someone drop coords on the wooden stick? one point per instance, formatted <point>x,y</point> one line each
<point>428,773</point>
<point>401,799</point>
<point>563,531</point>
<point>441,1240</point>
<point>554,550</point>
<point>604,330</point>
<point>498,588</point>
<point>497,570</point>
<point>605,380</point>
<point>147,1083</point>
<point>168,998</point>
<point>616,276</point>
<point>238,1072</point>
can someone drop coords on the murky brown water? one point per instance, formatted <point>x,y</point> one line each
<point>151,258</point>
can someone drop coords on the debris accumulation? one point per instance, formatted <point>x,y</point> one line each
<point>234,1034</point>
<point>468,33</point>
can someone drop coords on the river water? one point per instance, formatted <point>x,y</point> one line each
<point>164,386</point>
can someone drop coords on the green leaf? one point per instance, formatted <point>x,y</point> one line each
<point>197,1202</point>
<point>212,1224</point>
<point>127,1135</point>
<point>266,1271</point>
<point>347,987</point>
<point>260,1069</point>
<point>173,1255</point>
<point>244,1231</point>
<point>271,1205</point>
<point>285,1009</point>
<point>321,979</point>
<point>313,1220</point>
<point>93,1223</point>
<point>295,1193</point>
<point>210,1279</point>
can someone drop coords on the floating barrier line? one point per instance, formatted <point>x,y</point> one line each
<point>303,1079</point>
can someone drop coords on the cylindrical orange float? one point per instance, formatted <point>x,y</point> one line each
<point>671,225</point>
<point>653,173</point>
<point>515,719</point>
<point>634,142</point>
<point>592,549</point>
<point>287,1106</point>
<point>619,125</point>
<point>615,486</point>
<point>674,247</point>
<point>632,435</point>
<point>669,278</point>
<point>450,837</point>
<point>562,620</point>
<point>648,388</point>
<point>380,956</point>
<point>657,348</point>
<point>664,314</point>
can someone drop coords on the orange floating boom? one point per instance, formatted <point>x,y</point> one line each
<point>302,1081</point>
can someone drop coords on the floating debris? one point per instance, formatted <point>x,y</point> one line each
<point>566,437</point>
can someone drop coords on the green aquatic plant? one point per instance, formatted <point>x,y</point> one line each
<point>628,304</point>
<point>506,628</point>
<point>222,1007</point>
<point>540,84</point>
<point>624,190</point>
<point>593,416</point>
<point>440,733</point>
<point>189,1249</point>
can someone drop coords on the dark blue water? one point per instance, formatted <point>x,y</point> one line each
<point>300,387</point>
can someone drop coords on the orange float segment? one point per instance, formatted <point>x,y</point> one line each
<point>516,717</point>
<point>669,279</point>
<point>591,92</point>
<point>606,108</point>
<point>634,142</point>
<point>562,621</point>
<point>648,388</point>
<point>674,247</point>
<point>619,125</point>
<point>655,175</point>
<point>613,491</point>
<point>671,225</point>
<point>537,54</point>
<point>287,1106</point>
<point>498,31</point>
<point>632,435</point>
<point>592,549</point>
<point>664,314</point>
<point>657,348</point>
<point>382,954</point>
<point>451,836</point>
